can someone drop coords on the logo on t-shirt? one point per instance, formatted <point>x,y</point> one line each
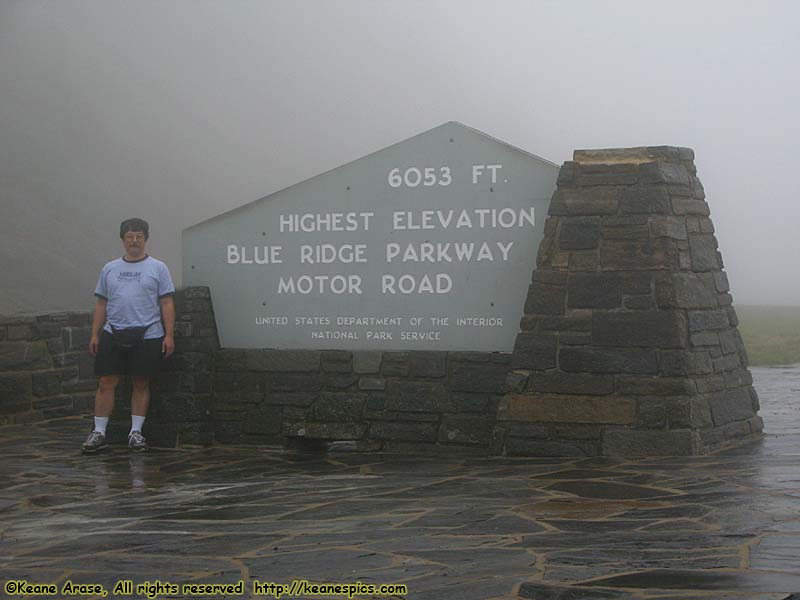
<point>129,276</point>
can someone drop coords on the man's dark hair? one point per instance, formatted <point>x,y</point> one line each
<point>134,225</point>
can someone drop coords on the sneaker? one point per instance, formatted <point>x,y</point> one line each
<point>136,441</point>
<point>94,442</point>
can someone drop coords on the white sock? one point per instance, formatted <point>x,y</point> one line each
<point>136,423</point>
<point>100,424</point>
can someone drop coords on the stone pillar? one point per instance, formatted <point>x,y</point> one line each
<point>629,342</point>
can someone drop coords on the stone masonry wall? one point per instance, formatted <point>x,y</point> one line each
<point>394,401</point>
<point>629,344</point>
<point>398,401</point>
<point>44,371</point>
<point>47,372</point>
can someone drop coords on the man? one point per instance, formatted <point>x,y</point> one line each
<point>135,302</point>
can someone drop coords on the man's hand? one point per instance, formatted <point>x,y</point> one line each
<point>168,346</point>
<point>98,318</point>
<point>168,315</point>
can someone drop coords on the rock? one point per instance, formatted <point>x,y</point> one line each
<point>689,206</point>
<point>557,408</point>
<point>465,430</point>
<point>478,378</point>
<point>664,172</point>
<point>704,253</point>
<point>283,360</point>
<point>416,396</point>
<point>594,290</point>
<point>721,281</point>
<point>517,380</point>
<point>606,174</point>
<point>427,364</point>
<point>535,351</point>
<point>708,319</point>
<point>408,431</point>
<point>367,361</point>
<point>635,255</point>
<point>645,199</point>
<point>654,386</point>
<point>631,442</point>
<point>545,299</point>
<point>326,431</point>
<point>336,361</point>
<point>653,329</point>
<point>371,383</point>
<point>19,356</point>
<point>516,446</point>
<point>682,362</point>
<point>337,407</point>
<point>686,290</point>
<point>395,364</point>
<point>588,202</point>
<point>570,383</point>
<point>731,405</point>
<point>607,360</point>
<point>580,234</point>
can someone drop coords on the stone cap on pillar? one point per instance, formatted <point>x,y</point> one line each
<point>640,154</point>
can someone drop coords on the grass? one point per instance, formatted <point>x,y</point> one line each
<point>771,334</point>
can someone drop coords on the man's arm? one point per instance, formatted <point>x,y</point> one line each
<point>168,314</point>
<point>98,320</point>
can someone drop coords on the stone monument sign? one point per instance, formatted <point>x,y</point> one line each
<point>428,244</point>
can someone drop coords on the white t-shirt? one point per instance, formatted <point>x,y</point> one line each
<point>133,291</point>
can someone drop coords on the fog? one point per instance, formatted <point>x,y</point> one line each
<point>178,111</point>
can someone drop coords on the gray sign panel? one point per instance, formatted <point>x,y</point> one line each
<point>428,244</point>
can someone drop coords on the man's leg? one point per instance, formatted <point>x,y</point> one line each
<point>103,406</point>
<point>104,397</point>
<point>143,364</point>
<point>140,400</point>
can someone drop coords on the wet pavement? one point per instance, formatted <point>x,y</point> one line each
<point>719,526</point>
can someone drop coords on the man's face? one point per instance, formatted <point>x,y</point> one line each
<point>134,243</point>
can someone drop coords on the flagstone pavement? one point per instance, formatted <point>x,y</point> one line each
<point>725,525</point>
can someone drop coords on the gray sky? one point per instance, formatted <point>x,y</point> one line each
<point>177,111</point>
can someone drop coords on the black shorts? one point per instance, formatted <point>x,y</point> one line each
<point>143,359</point>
